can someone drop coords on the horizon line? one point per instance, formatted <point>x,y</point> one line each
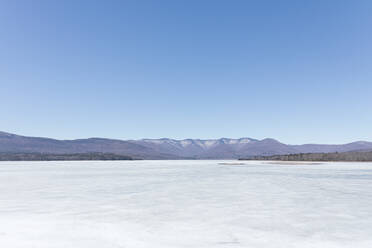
<point>177,139</point>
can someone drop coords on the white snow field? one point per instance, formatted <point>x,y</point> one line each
<point>171,204</point>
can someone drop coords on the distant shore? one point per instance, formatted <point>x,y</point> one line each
<point>61,157</point>
<point>354,156</point>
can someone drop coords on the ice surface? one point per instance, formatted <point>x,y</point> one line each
<point>171,204</point>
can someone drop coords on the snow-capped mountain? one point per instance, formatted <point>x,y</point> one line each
<point>198,148</point>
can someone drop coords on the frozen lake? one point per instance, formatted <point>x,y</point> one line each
<point>171,204</point>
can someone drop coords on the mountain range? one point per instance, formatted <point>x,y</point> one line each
<point>165,148</point>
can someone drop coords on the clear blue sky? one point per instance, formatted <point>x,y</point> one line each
<point>298,71</point>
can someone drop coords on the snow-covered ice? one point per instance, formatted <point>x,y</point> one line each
<point>171,204</point>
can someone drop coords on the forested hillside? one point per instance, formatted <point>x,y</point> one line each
<point>60,157</point>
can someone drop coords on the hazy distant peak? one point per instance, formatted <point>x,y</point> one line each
<point>361,142</point>
<point>246,140</point>
<point>4,134</point>
<point>270,140</point>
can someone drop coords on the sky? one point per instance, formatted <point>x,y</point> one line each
<point>297,71</point>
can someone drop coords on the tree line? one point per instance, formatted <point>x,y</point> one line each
<point>358,156</point>
<point>61,157</point>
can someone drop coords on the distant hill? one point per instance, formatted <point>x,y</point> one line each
<point>224,148</point>
<point>61,157</point>
<point>356,156</point>
<point>216,148</point>
<point>11,143</point>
